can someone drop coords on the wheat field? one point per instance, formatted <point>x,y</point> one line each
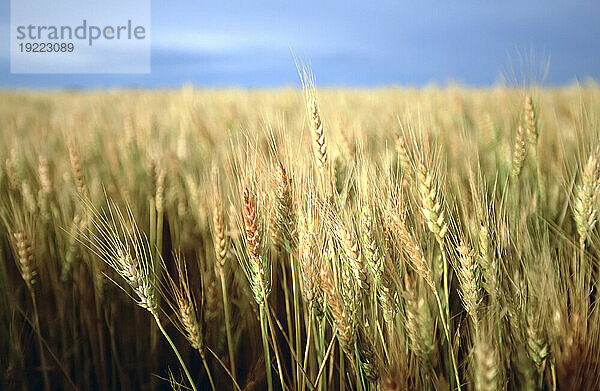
<point>300,239</point>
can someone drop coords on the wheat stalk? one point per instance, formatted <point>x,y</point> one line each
<point>118,241</point>
<point>418,262</point>
<point>27,268</point>
<point>258,270</point>
<point>181,299</point>
<point>221,245</point>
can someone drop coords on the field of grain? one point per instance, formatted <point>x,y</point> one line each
<point>384,239</point>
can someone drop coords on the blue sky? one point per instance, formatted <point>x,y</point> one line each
<point>351,43</point>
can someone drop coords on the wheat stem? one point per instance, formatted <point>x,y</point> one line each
<point>227,315</point>
<point>181,362</point>
<point>235,385</point>
<point>210,379</point>
<point>38,334</point>
<point>309,329</point>
<point>265,340</point>
<point>275,346</point>
<point>288,311</point>
<point>450,346</point>
<point>296,313</point>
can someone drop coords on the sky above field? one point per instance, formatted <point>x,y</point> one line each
<point>352,43</point>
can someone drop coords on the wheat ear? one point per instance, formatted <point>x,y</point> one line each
<point>309,263</point>
<point>220,241</point>
<point>258,271</point>
<point>486,365</point>
<point>418,325</point>
<point>404,156</point>
<point>44,175</point>
<point>318,134</point>
<point>487,261</point>
<point>25,258</point>
<point>537,348</point>
<point>468,276</point>
<point>353,254</point>
<point>341,318</point>
<point>283,221</point>
<point>257,268</point>
<point>319,140</point>
<point>531,121</point>
<point>24,249</point>
<point>221,245</point>
<point>418,262</point>
<point>412,248</point>
<point>519,152</point>
<point>585,209</point>
<point>75,161</point>
<point>431,205</point>
<point>118,241</point>
<point>184,305</point>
